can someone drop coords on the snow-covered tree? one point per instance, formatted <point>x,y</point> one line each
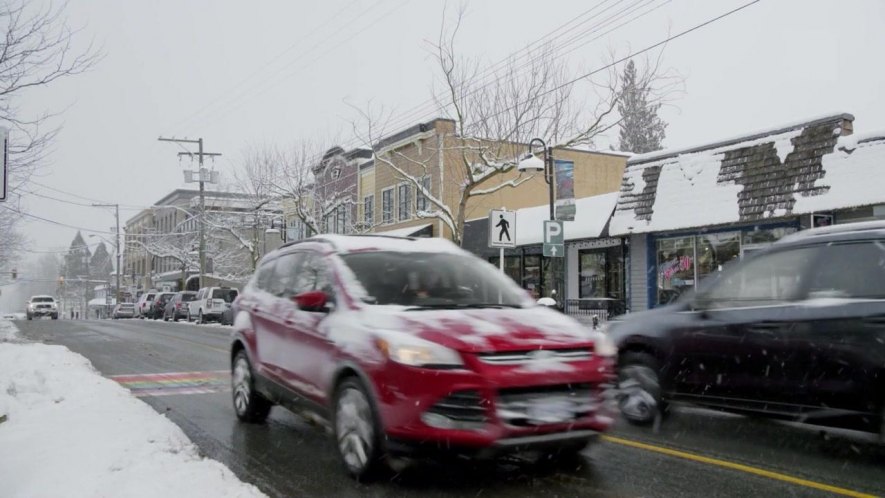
<point>496,109</point>
<point>100,265</point>
<point>35,50</point>
<point>641,129</point>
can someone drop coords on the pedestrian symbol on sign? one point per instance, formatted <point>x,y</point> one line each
<point>505,229</point>
<point>502,228</point>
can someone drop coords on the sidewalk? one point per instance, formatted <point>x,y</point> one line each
<point>71,432</point>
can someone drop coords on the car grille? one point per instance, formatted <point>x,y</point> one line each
<point>44,306</point>
<point>523,357</point>
<point>463,406</point>
<point>539,405</point>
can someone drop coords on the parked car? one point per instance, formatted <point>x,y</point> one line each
<point>124,310</point>
<point>143,306</point>
<point>158,308</point>
<point>796,331</point>
<point>42,306</point>
<point>177,306</point>
<point>210,303</point>
<point>414,344</point>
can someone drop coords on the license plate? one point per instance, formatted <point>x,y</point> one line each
<point>550,411</point>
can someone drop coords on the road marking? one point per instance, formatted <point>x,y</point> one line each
<point>167,384</point>
<point>737,466</point>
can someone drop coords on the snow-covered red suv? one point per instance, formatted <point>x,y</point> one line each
<point>414,344</point>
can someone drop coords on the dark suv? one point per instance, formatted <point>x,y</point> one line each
<point>414,344</point>
<point>796,331</point>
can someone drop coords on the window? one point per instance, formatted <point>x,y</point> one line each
<point>421,202</point>
<point>335,173</point>
<point>282,283</point>
<point>850,271</point>
<point>512,267</point>
<point>592,273</point>
<point>676,271</point>
<point>313,275</point>
<point>764,280</point>
<point>387,206</point>
<point>369,210</point>
<point>405,202</point>
<point>341,219</point>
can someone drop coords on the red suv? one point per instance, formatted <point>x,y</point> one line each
<point>414,344</point>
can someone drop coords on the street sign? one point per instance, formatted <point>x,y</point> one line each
<point>502,228</point>
<point>4,168</point>
<point>554,239</point>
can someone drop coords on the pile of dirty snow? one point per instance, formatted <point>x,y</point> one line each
<point>70,432</point>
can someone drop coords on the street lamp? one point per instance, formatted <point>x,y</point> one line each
<point>532,163</point>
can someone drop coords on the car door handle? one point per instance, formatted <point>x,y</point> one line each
<point>875,320</point>
<point>766,327</point>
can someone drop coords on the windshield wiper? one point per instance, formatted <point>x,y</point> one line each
<point>457,306</point>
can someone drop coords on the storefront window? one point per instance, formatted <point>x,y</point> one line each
<point>511,267</point>
<point>715,250</point>
<point>676,268</point>
<point>532,275</point>
<point>591,273</point>
<point>766,236</point>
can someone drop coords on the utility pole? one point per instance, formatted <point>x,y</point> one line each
<point>204,177</point>
<point>116,244</point>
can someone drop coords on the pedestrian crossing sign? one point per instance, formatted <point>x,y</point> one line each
<point>502,228</point>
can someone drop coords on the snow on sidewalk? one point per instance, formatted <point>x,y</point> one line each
<point>71,432</point>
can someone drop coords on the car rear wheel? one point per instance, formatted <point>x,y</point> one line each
<point>249,405</point>
<point>639,388</point>
<point>357,431</point>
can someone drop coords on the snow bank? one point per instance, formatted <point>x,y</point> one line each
<point>71,432</point>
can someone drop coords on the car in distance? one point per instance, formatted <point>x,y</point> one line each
<point>210,304</point>
<point>124,310</point>
<point>795,332</point>
<point>42,306</point>
<point>158,309</point>
<point>411,345</point>
<point>143,305</point>
<point>176,308</point>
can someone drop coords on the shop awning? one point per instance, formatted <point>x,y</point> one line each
<point>404,232</point>
<point>592,213</point>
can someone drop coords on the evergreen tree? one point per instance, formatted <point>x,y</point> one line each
<point>100,264</point>
<point>642,130</point>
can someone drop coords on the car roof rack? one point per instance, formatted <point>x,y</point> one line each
<point>860,226</point>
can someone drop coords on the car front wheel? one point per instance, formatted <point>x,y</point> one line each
<point>639,388</point>
<point>357,431</point>
<point>249,405</point>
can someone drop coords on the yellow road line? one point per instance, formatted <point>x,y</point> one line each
<point>737,466</point>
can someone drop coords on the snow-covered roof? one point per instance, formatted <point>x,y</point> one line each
<point>794,170</point>
<point>403,232</point>
<point>592,213</point>
<point>358,243</point>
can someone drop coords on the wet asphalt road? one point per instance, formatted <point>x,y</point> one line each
<point>693,453</point>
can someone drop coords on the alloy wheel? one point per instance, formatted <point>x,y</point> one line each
<point>242,385</point>
<point>355,429</point>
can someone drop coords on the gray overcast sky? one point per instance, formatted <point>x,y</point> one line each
<point>178,67</point>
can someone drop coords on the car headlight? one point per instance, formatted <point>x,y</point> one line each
<point>417,352</point>
<point>603,346</point>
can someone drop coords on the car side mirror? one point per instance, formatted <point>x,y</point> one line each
<point>311,300</point>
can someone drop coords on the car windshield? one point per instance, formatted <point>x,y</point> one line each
<point>428,280</point>
<point>227,294</point>
<point>188,297</point>
<point>43,300</point>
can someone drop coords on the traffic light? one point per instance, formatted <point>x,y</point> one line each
<point>14,273</point>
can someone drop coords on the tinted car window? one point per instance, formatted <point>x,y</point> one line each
<point>425,279</point>
<point>850,271</point>
<point>766,279</point>
<point>265,275</point>
<point>188,297</point>
<point>286,270</point>
<point>227,294</point>
<point>312,275</point>
<point>42,300</point>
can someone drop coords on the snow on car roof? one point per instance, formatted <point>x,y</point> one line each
<point>359,243</point>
